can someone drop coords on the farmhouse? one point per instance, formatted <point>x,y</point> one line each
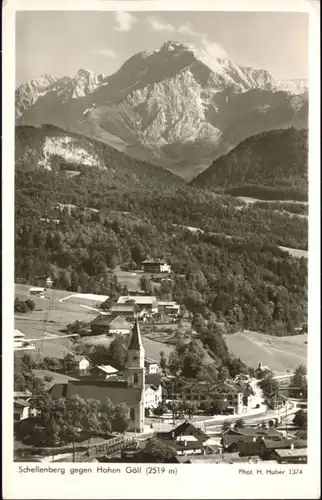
<point>110,325</point>
<point>156,266</point>
<point>143,302</point>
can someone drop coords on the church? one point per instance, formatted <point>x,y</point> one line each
<point>129,390</point>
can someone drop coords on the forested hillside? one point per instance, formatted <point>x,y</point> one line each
<point>271,165</point>
<point>245,280</point>
<point>51,148</point>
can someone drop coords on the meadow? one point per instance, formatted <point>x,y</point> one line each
<point>280,354</point>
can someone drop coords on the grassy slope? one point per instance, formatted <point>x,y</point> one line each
<point>278,353</point>
<point>63,313</point>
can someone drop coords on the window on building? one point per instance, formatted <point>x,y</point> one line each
<point>136,378</point>
<point>132,414</point>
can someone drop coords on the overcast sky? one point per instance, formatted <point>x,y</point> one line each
<point>62,42</point>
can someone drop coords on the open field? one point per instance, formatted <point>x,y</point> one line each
<point>278,353</point>
<point>296,252</point>
<point>131,279</point>
<point>59,315</point>
<point>248,199</point>
<point>152,348</point>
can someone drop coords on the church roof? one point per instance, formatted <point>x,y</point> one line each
<point>136,342</point>
<point>117,391</point>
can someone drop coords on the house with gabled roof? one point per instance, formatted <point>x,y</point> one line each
<point>270,446</point>
<point>110,325</point>
<point>104,371</point>
<point>186,439</point>
<point>230,393</point>
<point>77,364</point>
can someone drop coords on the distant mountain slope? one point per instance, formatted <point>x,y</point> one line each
<point>173,107</point>
<point>270,162</point>
<point>51,148</point>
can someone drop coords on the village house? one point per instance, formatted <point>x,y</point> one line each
<point>187,439</point>
<point>202,392</point>
<point>146,303</point>
<point>21,406</point>
<point>126,310</point>
<point>21,409</point>
<point>18,339</point>
<point>270,446</point>
<point>151,366</point>
<point>291,456</point>
<point>76,364</point>
<point>104,372</point>
<point>152,395</point>
<point>110,325</point>
<point>156,266</point>
<point>229,393</point>
<point>169,308</point>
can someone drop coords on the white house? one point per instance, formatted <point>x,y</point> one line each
<point>76,363</point>
<point>18,339</point>
<point>152,395</point>
<point>151,366</point>
<point>20,410</point>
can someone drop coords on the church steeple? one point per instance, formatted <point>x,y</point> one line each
<point>135,353</point>
<point>136,342</point>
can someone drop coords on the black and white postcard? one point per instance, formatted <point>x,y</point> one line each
<point>161,204</point>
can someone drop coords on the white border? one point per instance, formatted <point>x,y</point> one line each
<point>204,481</point>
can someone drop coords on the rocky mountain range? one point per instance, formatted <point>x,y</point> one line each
<point>173,107</point>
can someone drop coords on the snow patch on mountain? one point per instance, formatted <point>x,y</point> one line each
<point>68,150</point>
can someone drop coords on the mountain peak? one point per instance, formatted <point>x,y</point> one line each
<point>84,72</point>
<point>176,46</point>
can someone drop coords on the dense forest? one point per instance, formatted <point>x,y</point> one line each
<point>232,268</point>
<point>270,165</point>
